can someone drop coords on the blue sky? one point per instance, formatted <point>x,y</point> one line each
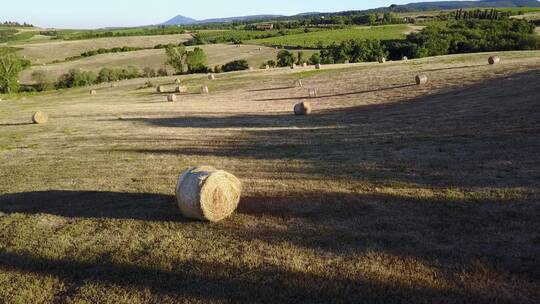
<point>105,13</point>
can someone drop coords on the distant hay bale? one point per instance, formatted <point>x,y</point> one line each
<point>40,117</point>
<point>93,92</point>
<point>207,194</point>
<point>160,89</point>
<point>302,108</point>
<point>251,68</point>
<point>382,60</point>
<point>211,77</point>
<point>171,97</point>
<point>177,80</point>
<point>304,64</point>
<point>204,90</point>
<point>298,83</point>
<point>405,58</point>
<point>180,89</point>
<point>267,67</point>
<point>318,66</point>
<point>421,79</point>
<point>313,92</point>
<point>114,85</point>
<point>293,66</point>
<point>494,60</point>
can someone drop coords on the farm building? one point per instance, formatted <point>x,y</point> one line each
<point>265,26</point>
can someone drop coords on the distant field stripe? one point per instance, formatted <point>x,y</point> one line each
<point>315,39</point>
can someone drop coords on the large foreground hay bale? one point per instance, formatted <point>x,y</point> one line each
<point>160,89</point>
<point>494,60</point>
<point>171,97</point>
<point>207,194</point>
<point>421,79</point>
<point>40,117</point>
<point>180,89</point>
<point>204,90</point>
<point>302,108</point>
<point>211,77</point>
<point>93,92</point>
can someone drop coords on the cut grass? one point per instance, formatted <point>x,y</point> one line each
<point>388,193</point>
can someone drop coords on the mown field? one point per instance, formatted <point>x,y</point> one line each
<point>325,38</point>
<point>388,193</point>
<point>47,52</point>
<point>218,54</point>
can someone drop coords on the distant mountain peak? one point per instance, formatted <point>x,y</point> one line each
<point>180,20</point>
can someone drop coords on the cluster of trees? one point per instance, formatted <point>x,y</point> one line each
<point>286,58</point>
<point>236,65</point>
<point>463,36</point>
<point>491,14</point>
<point>184,61</point>
<point>15,24</point>
<point>77,78</point>
<point>105,51</point>
<point>354,51</point>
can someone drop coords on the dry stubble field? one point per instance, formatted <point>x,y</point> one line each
<point>388,193</point>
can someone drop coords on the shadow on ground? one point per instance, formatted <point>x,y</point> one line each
<point>93,204</point>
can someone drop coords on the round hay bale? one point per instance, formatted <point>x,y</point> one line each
<point>207,194</point>
<point>177,80</point>
<point>382,60</point>
<point>160,89</point>
<point>298,83</point>
<point>494,60</point>
<point>40,117</point>
<point>313,92</point>
<point>93,92</point>
<point>267,67</point>
<point>405,58</point>
<point>304,64</point>
<point>171,97</point>
<point>293,66</point>
<point>421,79</point>
<point>318,66</point>
<point>302,108</point>
<point>204,90</point>
<point>251,68</point>
<point>211,77</point>
<point>180,89</point>
<point>114,85</point>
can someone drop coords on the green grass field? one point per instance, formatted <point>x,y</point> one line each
<point>325,38</point>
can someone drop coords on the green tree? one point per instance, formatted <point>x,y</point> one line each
<point>237,65</point>
<point>285,58</point>
<point>10,67</point>
<point>300,58</point>
<point>176,58</point>
<point>315,59</point>
<point>197,61</point>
